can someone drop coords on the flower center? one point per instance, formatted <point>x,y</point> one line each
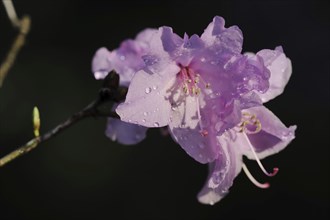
<point>192,84</point>
<point>191,81</point>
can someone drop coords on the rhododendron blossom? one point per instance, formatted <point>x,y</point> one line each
<point>126,61</point>
<point>207,92</point>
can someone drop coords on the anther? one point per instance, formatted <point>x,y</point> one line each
<point>204,133</point>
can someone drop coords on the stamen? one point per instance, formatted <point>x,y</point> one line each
<point>204,133</point>
<point>193,90</point>
<point>198,79</point>
<point>275,169</point>
<point>250,119</point>
<point>185,89</point>
<point>253,180</point>
<point>197,91</point>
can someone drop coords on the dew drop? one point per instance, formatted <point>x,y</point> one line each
<point>143,120</point>
<point>122,57</point>
<point>148,90</point>
<point>145,113</point>
<point>156,124</point>
<point>201,146</point>
<point>203,59</point>
<point>155,87</point>
<point>174,108</point>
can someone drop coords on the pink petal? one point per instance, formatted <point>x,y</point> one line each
<point>125,133</point>
<point>222,172</point>
<point>273,137</point>
<point>229,39</point>
<point>100,63</point>
<point>185,129</point>
<point>147,101</point>
<point>280,68</point>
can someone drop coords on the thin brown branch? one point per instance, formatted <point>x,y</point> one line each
<point>24,28</point>
<point>90,110</point>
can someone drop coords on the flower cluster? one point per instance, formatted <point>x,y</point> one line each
<point>207,92</point>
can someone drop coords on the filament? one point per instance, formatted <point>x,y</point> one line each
<point>275,169</point>
<point>253,180</point>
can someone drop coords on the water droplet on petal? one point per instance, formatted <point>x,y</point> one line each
<point>145,113</point>
<point>201,146</point>
<point>217,126</point>
<point>155,87</point>
<point>122,57</point>
<point>143,120</point>
<point>174,108</point>
<point>156,124</point>
<point>203,59</point>
<point>148,90</point>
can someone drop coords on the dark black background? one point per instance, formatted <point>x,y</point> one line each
<point>82,175</point>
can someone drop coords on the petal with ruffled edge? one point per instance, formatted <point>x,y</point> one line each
<point>222,171</point>
<point>127,60</point>
<point>273,137</point>
<point>147,101</point>
<point>227,40</point>
<point>145,36</point>
<point>101,65</point>
<point>125,133</point>
<point>280,68</point>
<point>181,50</point>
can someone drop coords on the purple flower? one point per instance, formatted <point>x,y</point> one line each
<point>259,134</point>
<point>197,86</point>
<point>211,97</point>
<point>126,61</point>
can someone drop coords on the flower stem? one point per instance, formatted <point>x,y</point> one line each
<point>90,110</point>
